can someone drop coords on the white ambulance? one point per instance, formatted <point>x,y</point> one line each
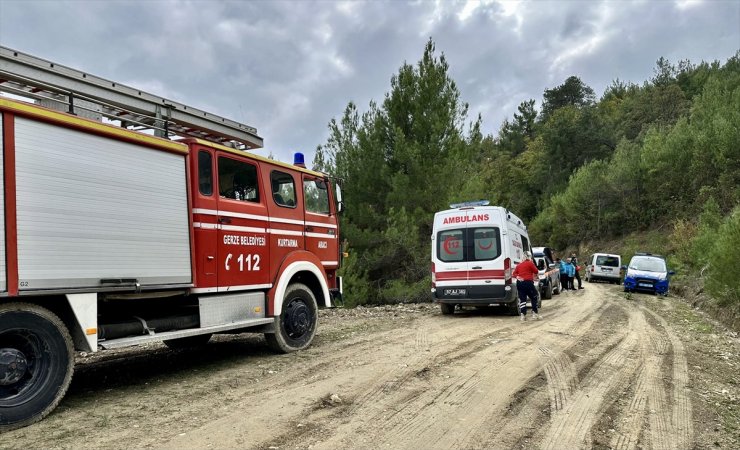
<point>475,248</point>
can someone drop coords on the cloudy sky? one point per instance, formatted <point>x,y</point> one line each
<point>288,67</point>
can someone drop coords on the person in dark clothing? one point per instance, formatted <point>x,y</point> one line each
<point>574,261</point>
<point>526,273</point>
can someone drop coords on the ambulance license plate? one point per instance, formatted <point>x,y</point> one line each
<point>456,292</point>
<point>645,285</point>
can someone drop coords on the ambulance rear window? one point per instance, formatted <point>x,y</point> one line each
<point>450,245</point>
<point>486,244</point>
<point>470,244</point>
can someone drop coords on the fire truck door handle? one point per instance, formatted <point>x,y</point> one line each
<point>224,220</point>
<point>209,258</point>
<point>309,228</point>
<point>477,267</point>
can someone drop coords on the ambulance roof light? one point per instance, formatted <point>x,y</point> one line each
<point>471,203</point>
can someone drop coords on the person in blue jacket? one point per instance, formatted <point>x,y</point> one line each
<point>571,269</point>
<point>563,274</point>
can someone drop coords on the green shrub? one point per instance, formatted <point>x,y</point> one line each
<point>356,286</point>
<point>706,238</point>
<point>722,280</point>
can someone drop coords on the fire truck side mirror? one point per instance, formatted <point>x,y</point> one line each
<point>340,204</point>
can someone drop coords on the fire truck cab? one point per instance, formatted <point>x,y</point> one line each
<point>112,237</point>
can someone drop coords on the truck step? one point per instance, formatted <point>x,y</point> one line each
<point>155,337</point>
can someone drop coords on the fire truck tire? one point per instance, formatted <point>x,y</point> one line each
<point>188,342</point>
<point>296,325</point>
<point>36,363</point>
<point>447,308</point>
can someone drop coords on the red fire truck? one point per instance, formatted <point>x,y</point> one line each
<point>114,234</point>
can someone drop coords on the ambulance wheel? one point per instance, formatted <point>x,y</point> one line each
<point>188,342</point>
<point>36,364</point>
<point>447,308</point>
<point>295,327</point>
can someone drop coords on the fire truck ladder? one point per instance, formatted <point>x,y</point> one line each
<point>62,88</point>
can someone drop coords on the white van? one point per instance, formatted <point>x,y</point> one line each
<point>475,248</point>
<point>603,266</point>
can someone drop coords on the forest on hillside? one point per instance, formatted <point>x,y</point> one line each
<point>661,155</point>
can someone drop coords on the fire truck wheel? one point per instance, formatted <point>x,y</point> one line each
<point>447,308</point>
<point>188,342</point>
<point>36,363</point>
<point>296,325</point>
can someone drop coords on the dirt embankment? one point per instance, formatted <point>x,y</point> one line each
<point>599,371</point>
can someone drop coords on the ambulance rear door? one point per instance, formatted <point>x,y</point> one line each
<point>485,256</point>
<point>449,265</point>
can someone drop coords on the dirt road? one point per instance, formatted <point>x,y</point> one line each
<point>599,371</point>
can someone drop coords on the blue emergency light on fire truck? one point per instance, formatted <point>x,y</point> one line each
<point>157,225</point>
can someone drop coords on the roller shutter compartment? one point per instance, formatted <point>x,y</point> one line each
<point>92,208</point>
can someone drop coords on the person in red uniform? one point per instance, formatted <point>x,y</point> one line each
<point>526,273</point>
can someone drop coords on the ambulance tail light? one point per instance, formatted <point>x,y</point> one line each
<point>507,270</point>
<point>434,277</point>
<point>592,268</point>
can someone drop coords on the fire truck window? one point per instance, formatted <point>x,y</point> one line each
<point>237,180</point>
<point>205,173</point>
<point>315,196</point>
<point>450,245</point>
<point>486,244</point>
<point>283,189</point>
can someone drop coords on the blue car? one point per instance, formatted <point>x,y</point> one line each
<point>648,273</point>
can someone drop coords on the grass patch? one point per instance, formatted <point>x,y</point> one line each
<point>693,321</point>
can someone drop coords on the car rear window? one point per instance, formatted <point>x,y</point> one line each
<point>609,261</point>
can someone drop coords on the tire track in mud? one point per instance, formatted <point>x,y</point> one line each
<point>541,397</point>
<point>475,394</point>
<point>562,378</point>
<point>681,433</point>
<point>560,371</point>
<point>455,386</point>
<point>570,426</point>
<point>442,356</point>
<point>538,397</point>
<point>667,415</point>
<point>648,393</point>
<point>380,368</point>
